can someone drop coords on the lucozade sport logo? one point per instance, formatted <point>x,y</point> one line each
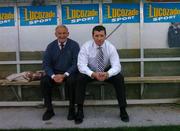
<point>40,15</point>
<point>121,13</point>
<point>162,12</point>
<point>6,16</point>
<point>80,14</point>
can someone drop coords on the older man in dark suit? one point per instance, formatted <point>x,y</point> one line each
<point>60,65</point>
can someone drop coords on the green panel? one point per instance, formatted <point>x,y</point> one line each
<point>35,93</point>
<point>6,70</point>
<point>162,53</point>
<point>32,94</point>
<point>109,92</point>
<point>130,69</point>
<point>7,56</point>
<point>133,91</point>
<point>129,53</point>
<point>6,94</point>
<point>162,68</point>
<point>31,67</point>
<point>36,55</point>
<point>93,92</point>
<point>157,91</point>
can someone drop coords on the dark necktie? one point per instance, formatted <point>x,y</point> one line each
<point>100,60</point>
<point>62,45</point>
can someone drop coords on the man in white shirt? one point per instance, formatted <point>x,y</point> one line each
<point>98,60</point>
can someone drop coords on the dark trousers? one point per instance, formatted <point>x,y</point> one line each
<point>47,85</point>
<point>117,81</point>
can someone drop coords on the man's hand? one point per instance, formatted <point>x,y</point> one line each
<point>104,75</point>
<point>59,78</point>
<point>100,76</point>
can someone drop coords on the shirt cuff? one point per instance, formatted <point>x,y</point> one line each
<point>89,73</point>
<point>110,74</point>
<point>52,76</point>
<point>66,74</point>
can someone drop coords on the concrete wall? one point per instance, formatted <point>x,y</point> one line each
<point>36,38</point>
<point>154,35</point>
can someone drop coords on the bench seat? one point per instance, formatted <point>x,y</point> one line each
<point>128,80</point>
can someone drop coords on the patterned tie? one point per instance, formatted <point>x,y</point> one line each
<point>100,60</point>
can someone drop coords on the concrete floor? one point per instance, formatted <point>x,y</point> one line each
<point>95,117</point>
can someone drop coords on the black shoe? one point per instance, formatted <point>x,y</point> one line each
<point>48,115</point>
<point>124,115</point>
<point>71,114</point>
<point>79,117</point>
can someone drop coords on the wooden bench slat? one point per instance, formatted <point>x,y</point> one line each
<point>153,79</point>
<point>17,83</point>
<point>128,80</point>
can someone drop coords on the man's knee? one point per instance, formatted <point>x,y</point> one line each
<point>46,80</point>
<point>118,77</point>
<point>71,80</point>
<point>82,77</point>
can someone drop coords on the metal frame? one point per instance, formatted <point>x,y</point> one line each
<point>122,60</point>
<point>92,102</point>
<point>141,47</point>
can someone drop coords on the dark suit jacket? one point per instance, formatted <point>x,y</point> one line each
<point>61,61</point>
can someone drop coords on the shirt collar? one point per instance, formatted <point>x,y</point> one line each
<point>96,46</point>
<point>63,43</point>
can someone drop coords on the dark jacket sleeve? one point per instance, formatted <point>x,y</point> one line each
<point>75,52</point>
<point>47,62</point>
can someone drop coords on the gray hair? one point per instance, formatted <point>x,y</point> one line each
<point>61,26</point>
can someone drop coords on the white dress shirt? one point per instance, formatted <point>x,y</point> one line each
<point>87,58</point>
<point>60,44</point>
